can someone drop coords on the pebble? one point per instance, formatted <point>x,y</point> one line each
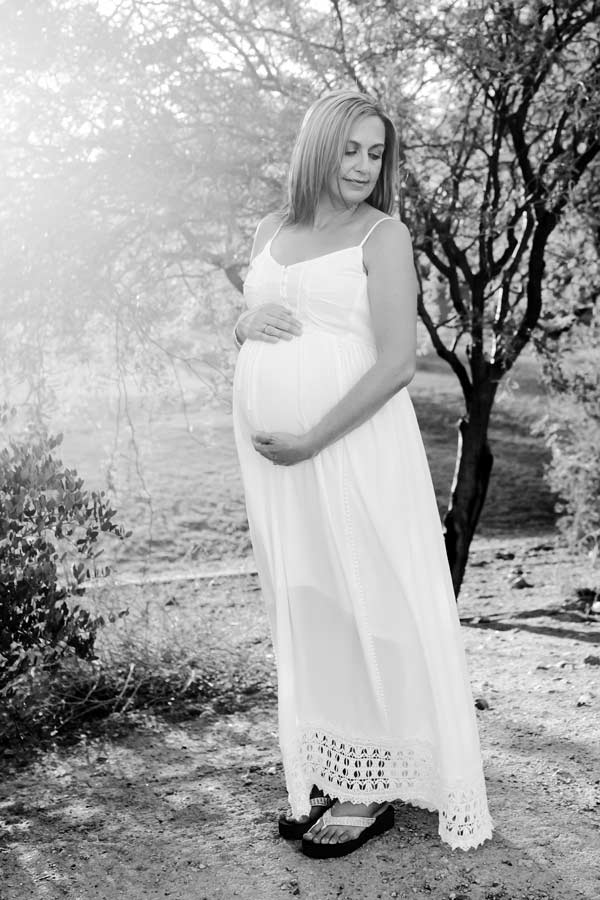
<point>563,775</point>
<point>519,583</point>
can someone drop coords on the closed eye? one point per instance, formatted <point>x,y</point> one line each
<point>374,156</point>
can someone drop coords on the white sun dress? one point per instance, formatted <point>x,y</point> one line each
<point>374,700</point>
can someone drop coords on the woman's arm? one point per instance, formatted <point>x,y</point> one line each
<point>392,286</point>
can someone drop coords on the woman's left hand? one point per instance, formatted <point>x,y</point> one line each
<point>281,448</point>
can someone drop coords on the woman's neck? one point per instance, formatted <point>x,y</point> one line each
<point>328,214</point>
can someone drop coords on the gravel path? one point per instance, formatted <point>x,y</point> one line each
<point>189,811</point>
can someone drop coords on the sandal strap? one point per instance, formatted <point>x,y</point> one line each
<point>359,821</point>
<point>314,801</point>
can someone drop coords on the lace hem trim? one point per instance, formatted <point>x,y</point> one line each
<point>372,773</point>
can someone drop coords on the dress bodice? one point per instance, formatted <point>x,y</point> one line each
<point>328,293</point>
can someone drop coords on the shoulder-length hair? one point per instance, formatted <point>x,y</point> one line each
<point>319,150</point>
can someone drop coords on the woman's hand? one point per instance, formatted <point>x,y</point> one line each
<point>283,449</point>
<point>270,322</point>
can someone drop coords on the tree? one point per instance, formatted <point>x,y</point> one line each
<point>492,173</point>
<point>177,135</point>
<point>520,131</point>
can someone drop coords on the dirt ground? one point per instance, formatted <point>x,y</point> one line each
<point>177,484</point>
<point>188,811</point>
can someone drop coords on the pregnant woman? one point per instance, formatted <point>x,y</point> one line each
<point>373,693</point>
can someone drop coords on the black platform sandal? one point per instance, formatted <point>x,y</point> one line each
<point>292,830</point>
<point>382,821</point>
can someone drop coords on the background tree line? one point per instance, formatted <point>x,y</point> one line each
<point>143,140</point>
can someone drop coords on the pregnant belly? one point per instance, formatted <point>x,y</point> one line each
<point>290,385</point>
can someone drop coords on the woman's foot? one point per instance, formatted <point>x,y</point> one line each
<point>292,828</point>
<point>356,824</point>
<point>330,833</point>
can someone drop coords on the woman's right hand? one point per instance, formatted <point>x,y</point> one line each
<point>269,322</point>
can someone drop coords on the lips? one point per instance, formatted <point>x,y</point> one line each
<point>354,181</point>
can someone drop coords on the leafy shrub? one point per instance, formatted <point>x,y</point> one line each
<point>51,531</point>
<point>571,429</point>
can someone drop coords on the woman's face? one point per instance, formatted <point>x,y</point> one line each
<point>361,162</point>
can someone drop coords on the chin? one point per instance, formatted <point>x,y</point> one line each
<point>352,197</point>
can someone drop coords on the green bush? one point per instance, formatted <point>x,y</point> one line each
<point>51,534</point>
<point>571,428</point>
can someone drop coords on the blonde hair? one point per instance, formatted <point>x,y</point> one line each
<point>319,150</point>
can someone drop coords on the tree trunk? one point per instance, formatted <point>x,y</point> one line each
<point>474,462</point>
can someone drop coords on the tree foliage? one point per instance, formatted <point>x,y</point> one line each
<point>146,141</point>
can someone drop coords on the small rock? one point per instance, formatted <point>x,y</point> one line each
<point>481,703</point>
<point>585,700</point>
<point>563,775</point>
<point>505,554</point>
<point>592,660</point>
<point>542,666</point>
<point>519,583</point>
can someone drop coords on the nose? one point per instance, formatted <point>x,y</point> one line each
<point>362,162</point>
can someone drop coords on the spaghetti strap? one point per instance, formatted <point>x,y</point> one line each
<point>370,231</point>
<point>274,235</point>
<point>267,245</point>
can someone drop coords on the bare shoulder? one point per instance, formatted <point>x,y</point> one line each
<point>390,232</point>
<point>390,240</point>
<point>269,223</point>
<point>265,230</point>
